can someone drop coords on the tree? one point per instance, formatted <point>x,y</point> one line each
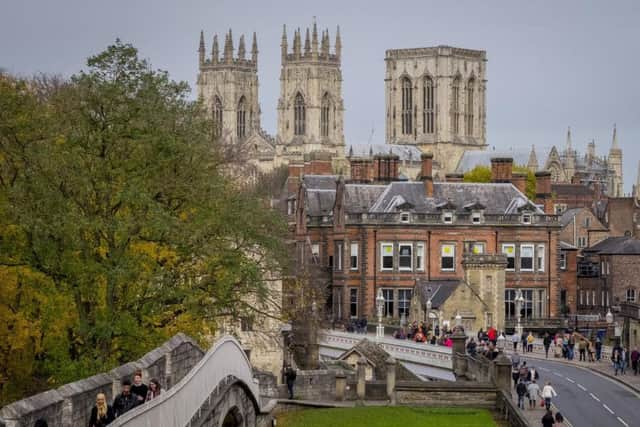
<point>112,192</point>
<point>483,174</point>
<point>478,174</point>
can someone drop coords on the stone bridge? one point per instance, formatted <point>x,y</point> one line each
<point>429,362</point>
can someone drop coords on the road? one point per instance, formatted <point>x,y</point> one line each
<point>587,399</point>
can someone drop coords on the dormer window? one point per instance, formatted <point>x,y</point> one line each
<point>447,217</point>
<point>405,217</point>
<point>526,218</point>
<point>476,218</point>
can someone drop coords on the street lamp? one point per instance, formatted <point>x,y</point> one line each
<point>458,319</point>
<point>429,305</point>
<point>380,306</point>
<point>519,302</point>
<point>609,317</point>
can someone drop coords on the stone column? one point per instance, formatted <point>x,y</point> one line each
<point>362,363</point>
<point>459,353</point>
<point>391,379</point>
<point>341,385</point>
<point>503,372</point>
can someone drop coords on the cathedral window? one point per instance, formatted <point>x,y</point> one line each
<point>428,106</point>
<point>469,112</point>
<point>324,115</point>
<point>299,113</point>
<point>241,124</point>
<point>455,106</point>
<point>407,106</point>
<point>217,117</point>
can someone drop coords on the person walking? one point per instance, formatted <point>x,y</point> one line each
<point>101,414</point>
<point>546,341</point>
<point>290,377</point>
<point>616,358</point>
<point>154,390</point>
<point>534,391</point>
<point>598,349</point>
<point>547,393</point>
<point>125,401</point>
<point>523,341</point>
<point>582,349</point>
<point>559,419</point>
<point>521,391</point>
<point>530,341</point>
<point>547,419</point>
<point>515,339</point>
<point>635,357</point>
<point>138,387</point>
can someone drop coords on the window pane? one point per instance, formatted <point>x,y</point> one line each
<point>353,302</point>
<point>354,256</point>
<point>387,256</point>
<point>388,302</point>
<point>405,257</point>
<point>419,256</point>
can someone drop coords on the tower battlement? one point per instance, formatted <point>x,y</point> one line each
<point>227,60</point>
<point>313,50</point>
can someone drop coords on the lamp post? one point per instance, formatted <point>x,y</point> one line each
<point>458,321</point>
<point>609,318</point>
<point>429,305</point>
<point>519,302</point>
<point>380,306</point>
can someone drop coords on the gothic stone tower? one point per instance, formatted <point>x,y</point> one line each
<point>229,87</point>
<point>310,108</point>
<point>615,164</point>
<point>435,99</point>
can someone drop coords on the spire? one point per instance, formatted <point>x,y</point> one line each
<point>591,150</point>
<point>228,47</point>
<point>254,48</point>
<point>241,49</point>
<point>296,44</point>
<point>283,44</point>
<point>307,44</point>
<point>201,48</point>
<point>614,140</point>
<point>314,39</point>
<point>338,45</point>
<point>532,163</point>
<point>568,146</point>
<point>215,51</point>
<point>325,44</point>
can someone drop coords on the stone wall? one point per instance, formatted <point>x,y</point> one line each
<point>447,394</point>
<point>70,404</point>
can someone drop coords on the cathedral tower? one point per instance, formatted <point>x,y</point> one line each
<point>615,163</point>
<point>310,108</point>
<point>435,99</point>
<point>228,86</point>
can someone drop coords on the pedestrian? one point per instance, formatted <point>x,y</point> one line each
<point>533,389</point>
<point>559,418</point>
<point>530,340</point>
<point>635,357</point>
<point>532,375</point>
<point>523,340</point>
<point>125,401</point>
<point>154,389</point>
<point>547,419</point>
<point>515,339</point>
<point>546,341</point>
<point>492,334</point>
<point>624,356</point>
<point>547,393</point>
<point>590,351</point>
<point>101,414</point>
<point>572,344</point>
<point>582,349</point>
<point>515,359</point>
<point>290,377</point>
<point>138,387</point>
<point>616,358</point>
<point>521,391</point>
<point>524,371</point>
<point>598,349</point>
<point>471,347</point>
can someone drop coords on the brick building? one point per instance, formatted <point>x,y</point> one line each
<point>568,266</point>
<point>380,233</point>
<point>581,228</point>
<point>621,215</point>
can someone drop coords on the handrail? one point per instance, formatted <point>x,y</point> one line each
<point>178,405</point>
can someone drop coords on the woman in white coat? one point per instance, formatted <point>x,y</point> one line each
<point>547,393</point>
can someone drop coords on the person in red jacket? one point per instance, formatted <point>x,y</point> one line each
<point>493,335</point>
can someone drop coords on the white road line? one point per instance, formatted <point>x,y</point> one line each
<point>607,408</point>
<point>545,369</point>
<point>595,397</point>
<point>557,374</point>
<point>622,421</point>
<point>570,380</point>
<point>581,387</point>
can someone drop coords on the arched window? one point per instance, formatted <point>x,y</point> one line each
<point>299,113</point>
<point>455,106</point>
<point>241,125</point>
<point>428,106</point>
<point>407,106</point>
<point>631,295</point>
<point>324,115</point>
<point>469,112</point>
<point>217,117</point>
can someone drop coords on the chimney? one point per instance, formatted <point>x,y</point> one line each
<point>295,177</point>
<point>454,177</point>
<point>501,168</point>
<point>426,173</point>
<point>385,167</point>
<point>519,180</point>
<point>543,191</point>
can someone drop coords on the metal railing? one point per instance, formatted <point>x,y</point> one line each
<point>178,405</point>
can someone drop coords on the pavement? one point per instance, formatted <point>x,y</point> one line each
<point>588,393</point>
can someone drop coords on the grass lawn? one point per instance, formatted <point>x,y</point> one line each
<point>400,416</point>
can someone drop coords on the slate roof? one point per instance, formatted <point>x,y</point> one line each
<point>616,246</point>
<point>567,246</point>
<point>405,152</point>
<point>472,158</point>
<point>359,198</point>
<point>378,357</point>
<point>572,189</point>
<point>568,215</point>
<point>438,290</point>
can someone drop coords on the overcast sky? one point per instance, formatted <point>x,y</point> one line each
<point>551,64</point>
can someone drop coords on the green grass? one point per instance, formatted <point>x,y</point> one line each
<point>400,416</point>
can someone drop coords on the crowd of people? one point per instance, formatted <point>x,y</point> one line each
<point>421,332</point>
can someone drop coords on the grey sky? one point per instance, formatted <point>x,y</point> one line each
<point>551,63</point>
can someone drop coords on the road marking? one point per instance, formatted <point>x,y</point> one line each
<point>557,374</point>
<point>545,369</point>
<point>622,421</point>
<point>581,387</point>
<point>595,397</point>
<point>570,380</point>
<point>607,408</point>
